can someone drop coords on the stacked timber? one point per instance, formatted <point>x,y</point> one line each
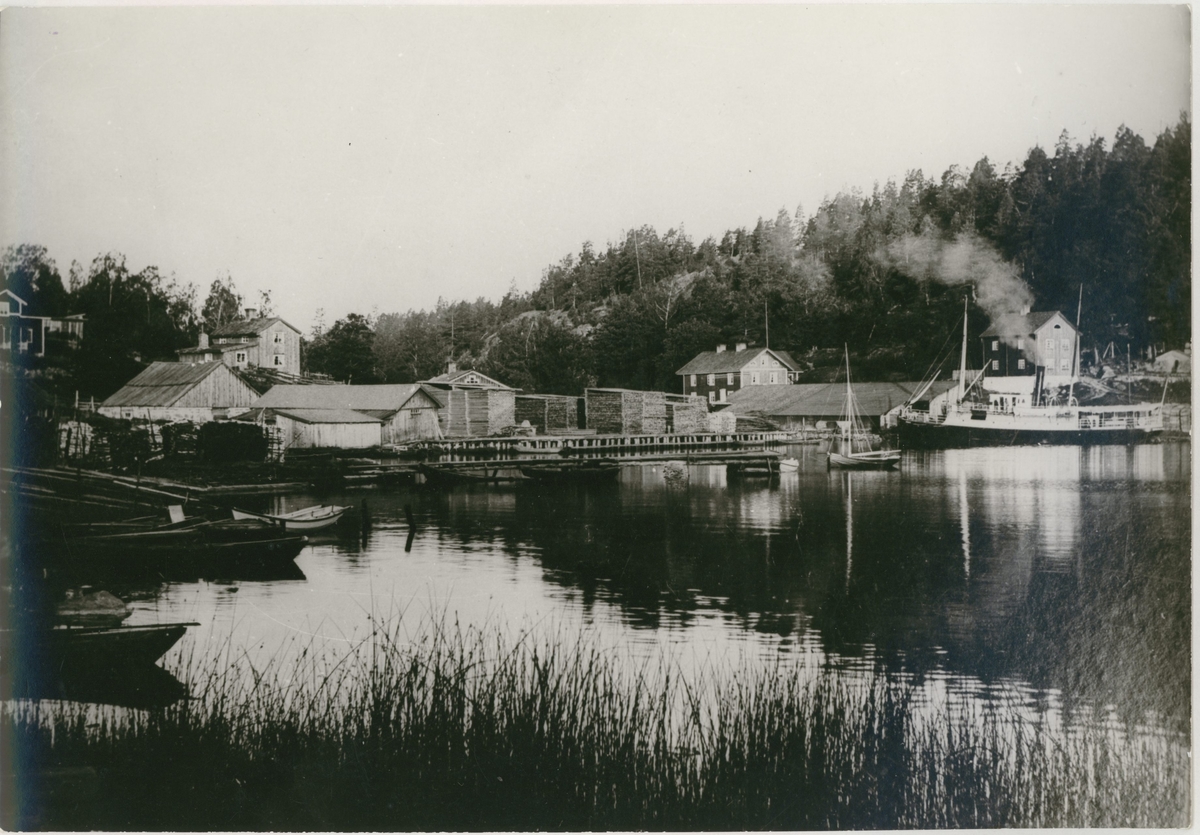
<point>547,413</point>
<point>479,412</point>
<point>606,411</point>
<point>654,412</point>
<point>723,422</point>
<point>688,414</point>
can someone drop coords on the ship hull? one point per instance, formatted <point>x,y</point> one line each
<point>914,435</point>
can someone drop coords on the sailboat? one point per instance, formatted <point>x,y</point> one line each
<point>959,422</point>
<point>865,459</point>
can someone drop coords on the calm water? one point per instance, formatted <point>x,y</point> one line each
<point>1059,574</point>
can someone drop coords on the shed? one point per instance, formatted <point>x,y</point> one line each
<point>548,413</point>
<point>805,405</point>
<point>406,412</point>
<point>327,428</point>
<point>179,391</point>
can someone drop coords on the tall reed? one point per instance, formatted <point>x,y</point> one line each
<point>463,730</point>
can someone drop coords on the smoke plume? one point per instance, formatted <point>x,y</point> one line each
<point>999,290</point>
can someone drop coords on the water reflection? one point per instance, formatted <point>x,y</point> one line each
<point>1061,569</point>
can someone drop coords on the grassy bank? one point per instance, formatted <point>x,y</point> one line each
<point>468,732</point>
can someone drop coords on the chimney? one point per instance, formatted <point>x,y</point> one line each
<point>720,349</point>
<point>451,367</point>
<point>741,346</point>
<point>203,343</point>
<point>251,313</point>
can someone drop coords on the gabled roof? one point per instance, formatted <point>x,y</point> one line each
<point>827,399</point>
<point>20,301</point>
<point>163,383</point>
<point>713,362</point>
<point>381,398</point>
<point>467,379</point>
<point>248,327</point>
<point>326,415</point>
<point>1021,325</point>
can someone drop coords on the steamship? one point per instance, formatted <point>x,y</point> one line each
<point>1017,399</point>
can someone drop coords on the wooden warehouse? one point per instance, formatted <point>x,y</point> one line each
<point>548,413</point>
<point>179,391</point>
<point>406,412</point>
<point>325,428</point>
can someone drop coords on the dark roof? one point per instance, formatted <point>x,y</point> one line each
<point>379,398</point>
<point>1021,325</point>
<point>455,378</point>
<point>216,348</point>
<point>714,362</point>
<point>162,384</point>
<point>248,327</point>
<point>826,399</point>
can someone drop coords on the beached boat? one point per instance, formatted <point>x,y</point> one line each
<point>313,518</point>
<point>470,472</point>
<point>539,446</point>
<point>847,456</point>
<point>1037,418</point>
<point>575,470</point>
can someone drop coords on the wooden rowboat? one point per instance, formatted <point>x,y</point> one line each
<point>580,470</point>
<point>312,518</point>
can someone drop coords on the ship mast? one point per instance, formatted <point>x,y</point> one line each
<point>1075,370</point>
<point>962,366</point>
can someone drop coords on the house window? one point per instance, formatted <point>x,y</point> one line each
<point>1020,343</point>
<point>772,378</point>
<point>729,379</point>
<point>278,338</point>
<point>1049,345</point>
<point>995,365</point>
<point>712,379</point>
<point>1064,344</point>
<point>279,360</point>
<point>1064,365</point>
<point>995,344</point>
<point>693,381</point>
<point>240,356</point>
<point>712,397</point>
<point>754,379</point>
<point>1020,365</point>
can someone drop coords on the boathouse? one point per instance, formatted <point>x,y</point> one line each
<point>716,375</point>
<point>404,412</point>
<point>179,391</point>
<point>821,405</point>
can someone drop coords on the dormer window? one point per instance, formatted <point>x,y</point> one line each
<point>240,356</point>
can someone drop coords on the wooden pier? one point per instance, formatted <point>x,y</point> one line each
<point>608,444</point>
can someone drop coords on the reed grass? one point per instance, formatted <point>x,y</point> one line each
<point>463,730</point>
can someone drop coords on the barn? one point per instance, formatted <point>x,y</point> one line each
<point>178,391</point>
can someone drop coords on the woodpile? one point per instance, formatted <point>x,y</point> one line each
<point>547,413</point>
<point>687,414</point>
<point>479,412</point>
<point>626,412</point>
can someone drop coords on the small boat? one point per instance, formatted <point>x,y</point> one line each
<point>97,608</point>
<point>594,469</point>
<point>865,459</point>
<point>789,465</point>
<point>468,472</point>
<point>312,518</point>
<point>117,646</point>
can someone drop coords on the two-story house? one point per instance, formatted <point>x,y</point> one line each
<point>715,375</point>
<point>22,332</point>
<point>250,342</point>
<point>1031,351</point>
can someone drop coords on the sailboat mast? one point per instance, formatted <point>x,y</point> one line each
<point>850,418</point>
<point>962,366</point>
<point>1075,370</point>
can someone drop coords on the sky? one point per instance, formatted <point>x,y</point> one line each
<point>373,159</point>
